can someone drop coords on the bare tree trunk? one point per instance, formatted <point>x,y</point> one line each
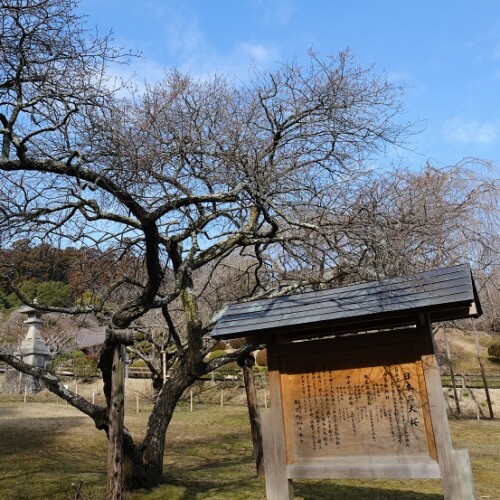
<point>159,420</point>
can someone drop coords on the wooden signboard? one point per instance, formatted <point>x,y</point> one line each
<point>333,409</point>
<point>362,406</point>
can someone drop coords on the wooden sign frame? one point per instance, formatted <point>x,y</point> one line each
<point>359,406</point>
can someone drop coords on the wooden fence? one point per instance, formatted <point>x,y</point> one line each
<point>472,380</point>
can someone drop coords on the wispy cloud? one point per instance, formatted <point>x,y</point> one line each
<point>236,63</point>
<point>139,71</point>
<point>275,11</point>
<point>459,130</point>
<point>184,42</point>
<point>183,33</point>
<point>485,48</point>
<point>258,53</point>
<point>178,38</point>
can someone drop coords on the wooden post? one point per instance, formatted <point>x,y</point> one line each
<point>278,486</point>
<point>454,465</point>
<point>115,437</point>
<point>452,372</point>
<point>191,400</point>
<point>485,381</point>
<point>253,411</point>
<point>269,455</point>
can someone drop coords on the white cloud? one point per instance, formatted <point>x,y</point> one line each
<point>237,62</point>
<point>464,131</point>
<point>258,53</point>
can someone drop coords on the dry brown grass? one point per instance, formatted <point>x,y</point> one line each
<point>464,352</point>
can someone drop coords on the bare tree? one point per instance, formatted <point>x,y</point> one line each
<point>196,193</point>
<point>183,177</point>
<point>412,221</point>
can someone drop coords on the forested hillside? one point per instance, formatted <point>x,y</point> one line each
<point>56,277</point>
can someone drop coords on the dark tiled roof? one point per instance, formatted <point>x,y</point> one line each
<point>87,337</point>
<point>446,294</point>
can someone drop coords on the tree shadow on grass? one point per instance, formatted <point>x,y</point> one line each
<point>25,435</point>
<point>330,491</point>
<point>44,449</point>
<point>194,483</point>
<point>222,473</point>
<point>6,411</point>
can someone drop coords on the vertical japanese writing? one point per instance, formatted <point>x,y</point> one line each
<point>334,409</point>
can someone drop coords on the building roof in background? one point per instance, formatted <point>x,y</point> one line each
<point>446,294</point>
<point>87,337</point>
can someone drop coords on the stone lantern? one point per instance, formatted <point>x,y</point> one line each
<point>34,350</point>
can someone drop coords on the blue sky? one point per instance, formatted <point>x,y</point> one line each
<point>446,52</point>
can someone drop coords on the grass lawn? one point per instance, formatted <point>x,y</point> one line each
<point>45,447</point>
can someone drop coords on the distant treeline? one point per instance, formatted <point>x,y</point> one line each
<point>58,277</point>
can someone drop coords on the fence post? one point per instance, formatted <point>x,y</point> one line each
<point>485,382</point>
